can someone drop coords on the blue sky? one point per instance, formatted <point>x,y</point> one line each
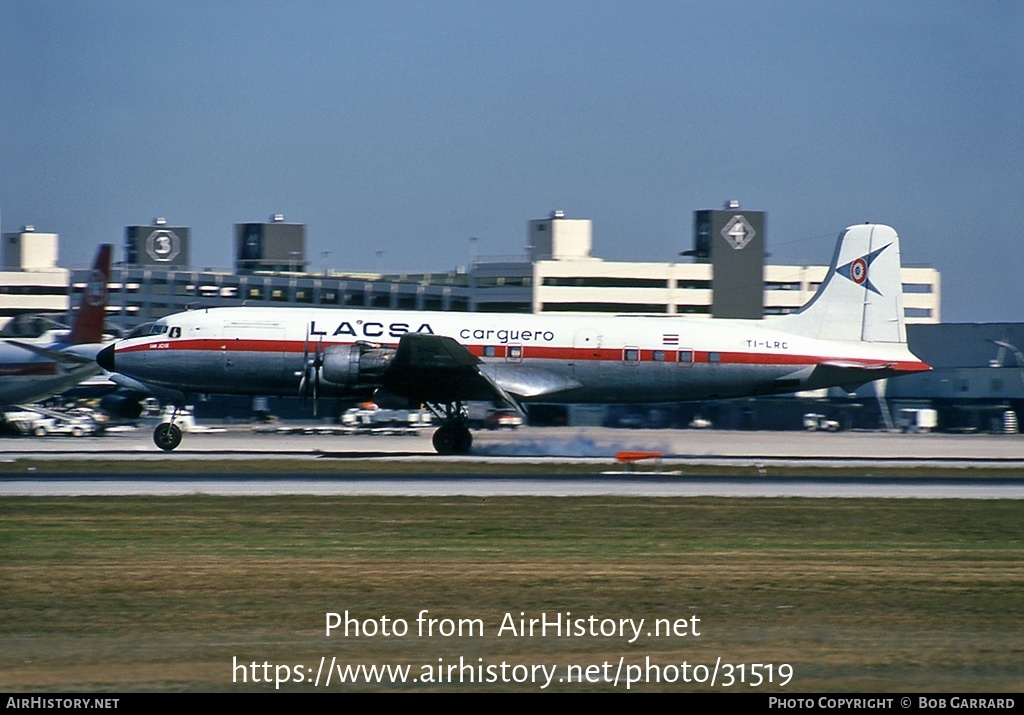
<point>408,127</point>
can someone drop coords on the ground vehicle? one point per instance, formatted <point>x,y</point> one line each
<point>503,419</point>
<point>917,420</point>
<point>75,423</point>
<point>814,422</point>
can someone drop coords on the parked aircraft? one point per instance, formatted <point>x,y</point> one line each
<point>850,333</point>
<point>35,369</point>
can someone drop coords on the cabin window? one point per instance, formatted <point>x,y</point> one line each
<point>515,353</point>
<point>714,357</point>
<point>490,351</point>
<point>685,357</point>
<point>631,354</point>
<point>659,356</point>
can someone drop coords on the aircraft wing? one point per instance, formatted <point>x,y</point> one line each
<point>60,356</point>
<point>436,368</point>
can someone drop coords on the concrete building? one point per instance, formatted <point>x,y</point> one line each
<point>274,246</point>
<point>31,283</point>
<point>158,245</point>
<point>557,273</point>
<point>560,275</point>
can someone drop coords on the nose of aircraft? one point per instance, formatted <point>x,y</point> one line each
<point>105,358</point>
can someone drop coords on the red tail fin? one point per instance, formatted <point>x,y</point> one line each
<point>92,309</point>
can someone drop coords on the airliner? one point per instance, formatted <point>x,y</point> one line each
<point>851,332</point>
<point>32,370</point>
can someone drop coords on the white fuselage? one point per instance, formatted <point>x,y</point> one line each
<point>547,358</point>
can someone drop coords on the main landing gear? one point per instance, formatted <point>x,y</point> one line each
<point>453,436</point>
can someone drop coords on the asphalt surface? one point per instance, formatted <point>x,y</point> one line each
<point>595,447</point>
<point>540,444</point>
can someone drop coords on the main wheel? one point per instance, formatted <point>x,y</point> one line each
<point>452,439</point>
<point>463,440</point>
<point>444,440</point>
<point>167,436</point>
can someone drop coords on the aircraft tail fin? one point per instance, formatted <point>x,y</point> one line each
<point>861,298</point>
<point>92,308</point>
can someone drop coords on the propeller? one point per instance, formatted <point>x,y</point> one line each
<point>312,367</point>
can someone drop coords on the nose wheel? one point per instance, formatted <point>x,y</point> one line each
<point>167,436</point>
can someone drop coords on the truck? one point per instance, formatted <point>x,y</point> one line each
<point>814,422</point>
<point>915,420</point>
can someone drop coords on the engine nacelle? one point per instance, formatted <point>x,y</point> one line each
<point>125,405</point>
<point>355,365</point>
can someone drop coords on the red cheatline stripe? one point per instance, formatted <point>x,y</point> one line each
<point>544,352</point>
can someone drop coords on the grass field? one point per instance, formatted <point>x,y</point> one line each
<point>856,595</point>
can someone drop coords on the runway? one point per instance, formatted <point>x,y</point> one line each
<point>557,444</point>
<point>591,450</point>
<point>623,485</point>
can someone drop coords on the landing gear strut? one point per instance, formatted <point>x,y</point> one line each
<point>167,435</point>
<point>453,436</point>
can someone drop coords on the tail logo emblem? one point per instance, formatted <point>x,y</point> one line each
<point>857,269</point>
<point>96,291</point>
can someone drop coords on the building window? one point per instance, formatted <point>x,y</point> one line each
<point>604,308</point>
<point>603,282</point>
<point>917,288</point>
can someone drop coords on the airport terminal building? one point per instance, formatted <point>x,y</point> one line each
<point>724,275</point>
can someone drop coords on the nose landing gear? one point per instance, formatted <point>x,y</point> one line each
<point>167,435</point>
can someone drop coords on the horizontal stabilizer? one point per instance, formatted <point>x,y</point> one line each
<point>853,365</point>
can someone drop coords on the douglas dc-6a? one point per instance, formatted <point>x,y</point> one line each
<point>851,332</point>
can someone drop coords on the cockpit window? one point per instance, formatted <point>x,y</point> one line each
<point>175,332</point>
<point>158,329</point>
